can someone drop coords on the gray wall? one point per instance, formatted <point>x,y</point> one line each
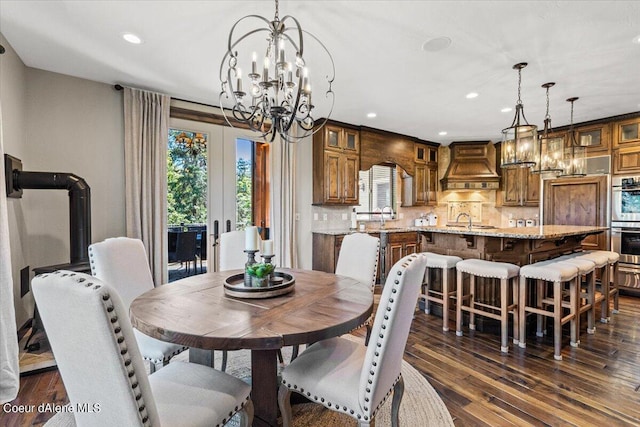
<point>59,123</point>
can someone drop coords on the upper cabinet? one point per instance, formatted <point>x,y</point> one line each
<point>520,187</point>
<point>597,138</point>
<point>425,179</point>
<point>626,133</point>
<point>336,163</point>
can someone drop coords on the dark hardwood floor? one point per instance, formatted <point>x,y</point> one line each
<point>596,384</point>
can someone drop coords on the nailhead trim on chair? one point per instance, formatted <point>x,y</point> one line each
<point>117,331</point>
<point>163,360</point>
<point>372,372</point>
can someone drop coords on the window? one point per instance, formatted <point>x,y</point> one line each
<point>377,188</point>
<point>252,185</point>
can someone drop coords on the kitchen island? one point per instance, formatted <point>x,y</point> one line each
<point>517,245</point>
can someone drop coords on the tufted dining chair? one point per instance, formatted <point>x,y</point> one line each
<point>358,259</point>
<point>122,263</point>
<point>366,375</point>
<point>103,371</point>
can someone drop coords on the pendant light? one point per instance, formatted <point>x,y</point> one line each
<point>519,139</point>
<point>549,150</point>
<point>574,153</point>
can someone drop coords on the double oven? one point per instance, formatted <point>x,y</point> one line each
<point>625,228</point>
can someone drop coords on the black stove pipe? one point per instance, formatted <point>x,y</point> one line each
<point>79,205</point>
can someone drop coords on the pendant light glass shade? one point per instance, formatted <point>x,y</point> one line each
<point>575,163</point>
<point>549,151</point>
<point>520,139</point>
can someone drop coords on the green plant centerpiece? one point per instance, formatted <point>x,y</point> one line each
<point>260,273</point>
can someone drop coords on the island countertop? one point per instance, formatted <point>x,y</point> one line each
<point>536,232</point>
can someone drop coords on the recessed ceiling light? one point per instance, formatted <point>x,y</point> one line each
<point>132,38</point>
<point>436,44</point>
<point>506,110</point>
<point>472,95</point>
<point>371,115</point>
<point>443,133</point>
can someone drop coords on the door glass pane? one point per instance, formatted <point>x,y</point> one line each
<point>244,183</point>
<point>589,139</point>
<point>351,141</point>
<point>333,138</point>
<point>629,132</point>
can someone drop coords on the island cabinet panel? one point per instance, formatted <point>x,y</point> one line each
<point>578,201</point>
<point>326,250</point>
<point>398,246</point>
<point>336,164</point>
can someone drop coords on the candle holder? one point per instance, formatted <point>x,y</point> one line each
<point>267,260</point>
<point>251,259</point>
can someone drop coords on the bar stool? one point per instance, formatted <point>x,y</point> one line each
<point>610,288</point>
<point>586,290</point>
<point>557,273</point>
<point>445,264</point>
<point>601,261</point>
<point>502,271</point>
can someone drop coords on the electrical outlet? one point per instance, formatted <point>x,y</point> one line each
<point>345,217</point>
<point>315,216</point>
<point>325,217</point>
<point>401,215</point>
<point>297,216</point>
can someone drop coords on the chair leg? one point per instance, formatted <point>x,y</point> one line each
<point>284,403</point>
<point>522,312</point>
<point>152,367</point>
<point>224,361</point>
<point>459,304</point>
<point>398,392</point>
<point>366,339</point>
<point>504,315</point>
<point>557,320</point>
<point>246,414</point>
<point>445,299</point>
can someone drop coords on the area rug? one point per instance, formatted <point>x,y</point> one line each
<point>421,404</point>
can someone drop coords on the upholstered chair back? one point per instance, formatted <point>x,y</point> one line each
<point>390,330</point>
<point>95,349</point>
<point>122,263</point>
<point>232,246</point>
<point>358,257</point>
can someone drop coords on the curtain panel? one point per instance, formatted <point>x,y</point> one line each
<point>9,366</point>
<point>283,202</point>
<point>146,126</point>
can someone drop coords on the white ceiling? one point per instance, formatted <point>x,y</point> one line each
<point>586,47</point>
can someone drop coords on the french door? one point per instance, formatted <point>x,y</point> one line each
<point>221,188</point>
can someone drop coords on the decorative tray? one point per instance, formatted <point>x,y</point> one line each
<point>283,283</point>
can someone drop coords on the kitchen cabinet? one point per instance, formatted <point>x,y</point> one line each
<point>520,187</point>
<point>626,133</point>
<point>336,164</point>
<point>597,138</point>
<point>626,161</point>
<point>425,179</point>
<point>578,201</point>
<point>397,246</point>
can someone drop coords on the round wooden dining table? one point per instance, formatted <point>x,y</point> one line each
<point>196,312</point>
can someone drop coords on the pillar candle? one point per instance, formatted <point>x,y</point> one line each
<point>267,247</point>
<point>251,238</point>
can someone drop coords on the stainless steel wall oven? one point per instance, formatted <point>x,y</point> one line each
<point>625,229</point>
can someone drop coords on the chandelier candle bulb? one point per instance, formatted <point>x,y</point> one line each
<point>254,66</point>
<point>265,71</point>
<point>239,81</point>
<point>251,238</point>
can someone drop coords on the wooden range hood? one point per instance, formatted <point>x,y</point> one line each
<point>472,167</point>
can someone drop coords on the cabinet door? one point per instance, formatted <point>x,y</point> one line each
<point>626,133</point>
<point>511,187</point>
<point>596,138</point>
<point>420,185</point>
<point>349,180</point>
<point>351,140</point>
<point>332,137</point>
<point>626,160</point>
<point>332,186</point>
<point>532,195</point>
<point>432,188</point>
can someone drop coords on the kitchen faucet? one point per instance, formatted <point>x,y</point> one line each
<point>464,214</point>
<point>385,212</point>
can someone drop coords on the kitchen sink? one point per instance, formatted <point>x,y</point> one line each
<point>473,227</point>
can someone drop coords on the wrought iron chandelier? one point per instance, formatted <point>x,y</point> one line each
<point>574,154</point>
<point>549,150</point>
<point>519,139</point>
<point>278,101</point>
